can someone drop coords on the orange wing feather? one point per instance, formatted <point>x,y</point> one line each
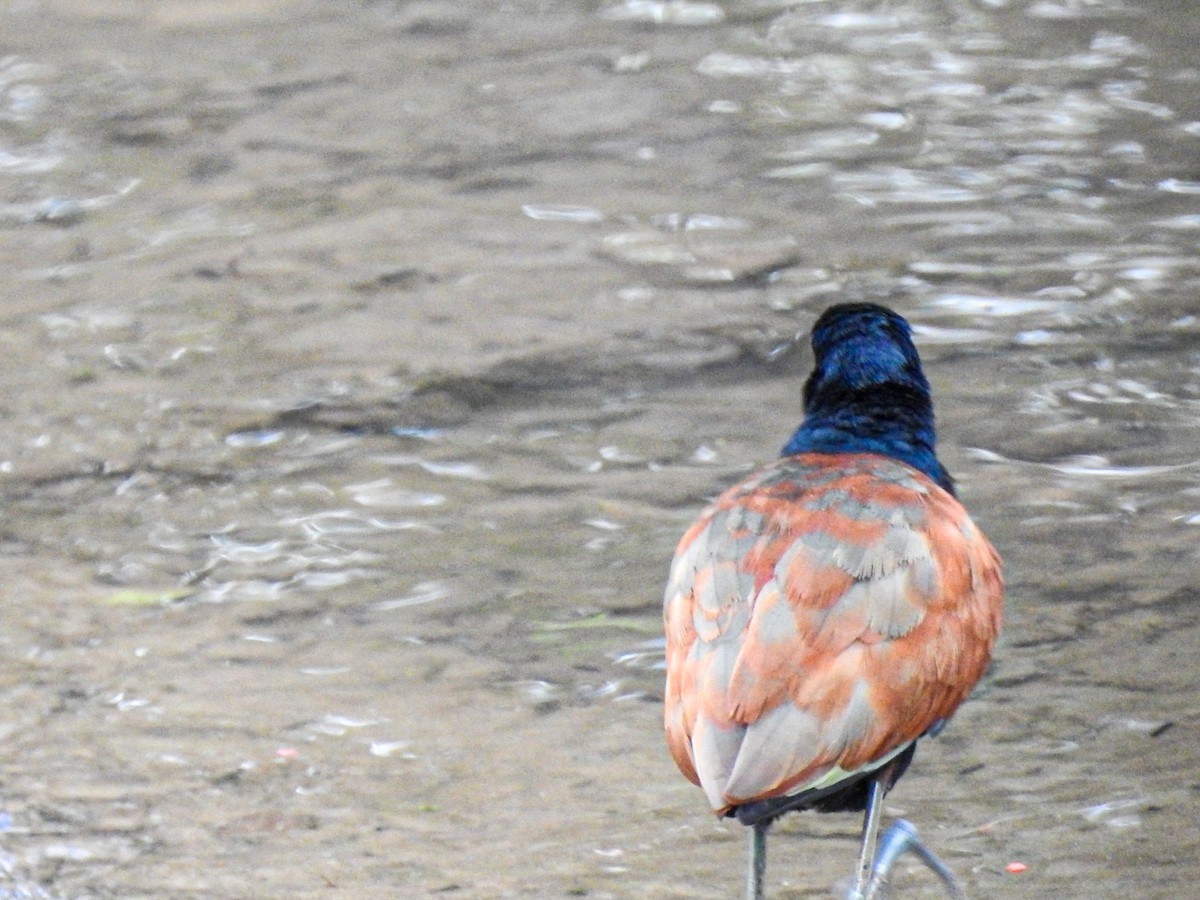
<point>821,615</point>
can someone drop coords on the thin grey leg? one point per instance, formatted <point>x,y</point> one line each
<point>866,857</point>
<point>755,889</point>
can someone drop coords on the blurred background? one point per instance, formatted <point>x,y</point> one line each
<point>362,362</point>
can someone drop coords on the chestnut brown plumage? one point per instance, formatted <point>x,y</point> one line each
<point>830,610</point>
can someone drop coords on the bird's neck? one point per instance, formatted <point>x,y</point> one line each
<point>890,419</point>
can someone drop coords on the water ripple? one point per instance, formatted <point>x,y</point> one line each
<point>426,592</point>
<point>551,212</point>
<point>1088,466</point>
<point>384,492</point>
<point>665,12</point>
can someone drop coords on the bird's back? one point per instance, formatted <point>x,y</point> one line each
<point>820,617</point>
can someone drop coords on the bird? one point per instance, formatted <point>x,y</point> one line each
<point>828,611</point>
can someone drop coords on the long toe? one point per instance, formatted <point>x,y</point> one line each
<point>898,840</point>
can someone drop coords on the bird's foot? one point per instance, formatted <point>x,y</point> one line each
<point>902,838</point>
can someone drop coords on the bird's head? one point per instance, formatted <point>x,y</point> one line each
<point>859,346</point>
<point>867,392</point>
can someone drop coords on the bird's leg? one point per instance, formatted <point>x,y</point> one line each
<point>756,875</point>
<point>870,832</point>
<point>902,838</point>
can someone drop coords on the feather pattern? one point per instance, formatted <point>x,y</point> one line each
<point>835,606</point>
<point>854,607</point>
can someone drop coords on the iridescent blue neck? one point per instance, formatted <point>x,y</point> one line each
<point>867,392</point>
<point>900,433</point>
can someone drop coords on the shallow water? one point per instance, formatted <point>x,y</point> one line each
<point>363,363</point>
